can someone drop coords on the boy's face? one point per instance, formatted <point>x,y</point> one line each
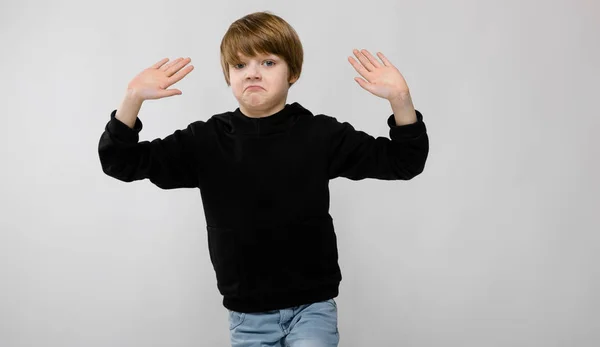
<point>270,73</point>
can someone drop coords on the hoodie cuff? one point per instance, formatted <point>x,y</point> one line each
<point>406,131</point>
<point>121,131</point>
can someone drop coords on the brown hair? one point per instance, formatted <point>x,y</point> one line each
<point>262,33</point>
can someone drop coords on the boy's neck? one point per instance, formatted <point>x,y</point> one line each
<point>262,112</point>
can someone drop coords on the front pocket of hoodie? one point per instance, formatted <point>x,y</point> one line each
<point>254,261</point>
<point>223,250</point>
<point>314,244</point>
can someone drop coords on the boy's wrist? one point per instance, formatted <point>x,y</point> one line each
<point>132,97</point>
<point>128,110</point>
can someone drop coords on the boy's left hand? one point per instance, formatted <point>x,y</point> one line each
<point>384,80</point>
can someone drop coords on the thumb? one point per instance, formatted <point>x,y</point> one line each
<point>363,84</point>
<point>170,92</point>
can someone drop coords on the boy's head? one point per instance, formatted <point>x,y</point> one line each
<point>261,49</point>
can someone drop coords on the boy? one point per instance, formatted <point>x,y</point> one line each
<point>263,172</point>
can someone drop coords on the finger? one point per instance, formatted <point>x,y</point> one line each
<point>371,58</point>
<point>179,75</point>
<point>160,63</point>
<point>363,60</point>
<point>169,68</point>
<point>176,67</point>
<point>385,60</point>
<point>358,67</point>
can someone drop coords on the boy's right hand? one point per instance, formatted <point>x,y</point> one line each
<point>152,83</point>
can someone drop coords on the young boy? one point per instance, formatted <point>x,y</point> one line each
<point>263,172</point>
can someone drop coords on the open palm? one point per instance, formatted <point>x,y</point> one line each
<point>383,80</point>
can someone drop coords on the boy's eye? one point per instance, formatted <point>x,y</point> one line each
<point>266,61</point>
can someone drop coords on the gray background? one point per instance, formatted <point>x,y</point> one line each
<point>494,244</point>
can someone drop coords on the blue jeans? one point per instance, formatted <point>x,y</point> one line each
<point>311,325</point>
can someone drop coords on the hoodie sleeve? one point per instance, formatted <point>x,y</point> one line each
<point>357,155</point>
<point>168,163</point>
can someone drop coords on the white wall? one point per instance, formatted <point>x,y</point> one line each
<point>494,244</point>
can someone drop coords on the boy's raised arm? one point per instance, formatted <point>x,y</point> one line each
<point>357,155</point>
<point>168,163</point>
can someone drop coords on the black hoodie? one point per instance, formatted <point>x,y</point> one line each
<point>264,184</point>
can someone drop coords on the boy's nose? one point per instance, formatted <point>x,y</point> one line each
<point>252,73</point>
<point>253,76</point>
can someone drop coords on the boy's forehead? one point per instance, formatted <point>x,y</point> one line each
<point>262,55</point>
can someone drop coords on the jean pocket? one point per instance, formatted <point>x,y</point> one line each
<point>235,319</point>
<point>332,302</point>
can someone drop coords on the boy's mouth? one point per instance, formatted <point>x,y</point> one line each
<point>254,88</point>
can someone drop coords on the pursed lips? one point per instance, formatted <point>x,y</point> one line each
<point>254,87</point>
